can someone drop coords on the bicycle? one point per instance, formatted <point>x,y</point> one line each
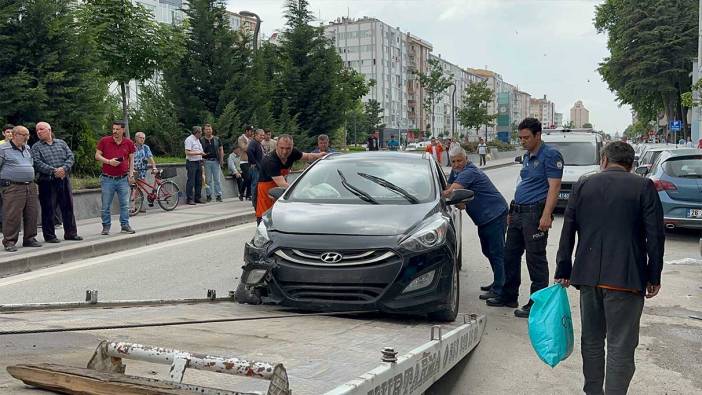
<point>163,191</point>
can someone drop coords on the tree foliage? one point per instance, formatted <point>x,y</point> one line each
<point>47,74</point>
<point>435,83</point>
<point>474,113</point>
<point>130,44</point>
<point>652,44</point>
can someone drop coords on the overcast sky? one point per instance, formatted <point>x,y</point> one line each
<point>545,47</point>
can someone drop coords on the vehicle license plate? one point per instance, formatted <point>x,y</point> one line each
<point>564,195</point>
<point>694,213</point>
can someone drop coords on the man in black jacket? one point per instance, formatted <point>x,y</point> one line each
<point>618,218</point>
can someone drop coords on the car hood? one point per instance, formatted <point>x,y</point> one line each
<point>572,174</point>
<point>347,219</point>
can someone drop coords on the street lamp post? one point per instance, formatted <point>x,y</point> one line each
<point>453,111</point>
<point>258,26</point>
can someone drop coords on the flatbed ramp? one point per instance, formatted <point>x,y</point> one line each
<point>334,355</point>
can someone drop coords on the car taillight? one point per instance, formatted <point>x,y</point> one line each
<point>662,185</point>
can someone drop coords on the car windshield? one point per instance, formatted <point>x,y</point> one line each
<point>684,167</point>
<point>366,182</point>
<point>579,153</point>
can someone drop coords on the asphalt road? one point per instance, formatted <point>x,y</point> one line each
<point>669,358</point>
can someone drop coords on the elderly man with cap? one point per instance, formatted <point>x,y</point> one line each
<point>53,161</point>
<point>488,210</point>
<point>19,192</point>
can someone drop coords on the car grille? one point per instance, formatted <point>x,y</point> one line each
<point>333,292</point>
<point>566,187</point>
<point>331,258</point>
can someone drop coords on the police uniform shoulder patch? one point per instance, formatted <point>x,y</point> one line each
<point>559,164</point>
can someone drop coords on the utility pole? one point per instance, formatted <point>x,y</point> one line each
<point>258,26</point>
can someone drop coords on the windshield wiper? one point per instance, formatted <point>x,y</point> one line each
<point>361,194</point>
<point>387,184</point>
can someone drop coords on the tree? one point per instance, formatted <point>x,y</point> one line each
<point>47,73</point>
<point>474,113</point>
<point>156,116</point>
<point>587,125</point>
<point>312,79</point>
<point>373,113</point>
<point>570,124</point>
<point>435,84</point>
<point>201,81</point>
<point>652,44</point>
<point>130,44</point>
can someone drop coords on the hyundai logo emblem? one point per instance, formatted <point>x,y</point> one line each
<point>331,257</point>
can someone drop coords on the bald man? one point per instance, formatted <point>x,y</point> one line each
<point>53,160</point>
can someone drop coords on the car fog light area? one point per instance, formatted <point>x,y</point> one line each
<point>255,276</point>
<point>420,282</point>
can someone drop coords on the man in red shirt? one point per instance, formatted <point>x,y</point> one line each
<point>116,153</point>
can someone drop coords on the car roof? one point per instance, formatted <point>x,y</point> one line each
<point>684,152</point>
<point>569,136</point>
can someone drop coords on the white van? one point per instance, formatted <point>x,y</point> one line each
<point>581,155</point>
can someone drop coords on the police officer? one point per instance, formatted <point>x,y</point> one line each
<point>530,216</point>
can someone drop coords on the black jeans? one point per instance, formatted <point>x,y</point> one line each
<point>239,181</point>
<point>193,187</point>
<point>614,315</point>
<point>245,174</point>
<point>482,159</point>
<point>520,237</point>
<point>56,192</point>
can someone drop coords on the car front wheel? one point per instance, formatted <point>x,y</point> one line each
<point>450,310</point>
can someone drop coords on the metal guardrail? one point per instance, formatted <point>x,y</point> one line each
<point>109,355</point>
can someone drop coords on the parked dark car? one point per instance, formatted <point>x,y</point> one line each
<point>362,231</point>
<point>677,175</point>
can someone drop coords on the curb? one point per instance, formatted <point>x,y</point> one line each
<point>39,260</point>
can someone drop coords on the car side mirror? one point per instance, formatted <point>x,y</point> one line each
<point>636,163</point>
<point>519,160</point>
<point>641,170</point>
<point>460,196</point>
<point>276,193</point>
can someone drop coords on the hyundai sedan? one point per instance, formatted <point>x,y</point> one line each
<point>360,232</point>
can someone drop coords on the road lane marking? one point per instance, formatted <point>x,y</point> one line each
<point>49,271</point>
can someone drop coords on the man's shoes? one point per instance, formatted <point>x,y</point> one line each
<point>241,198</point>
<point>128,229</point>
<point>11,248</point>
<point>524,311</point>
<point>31,243</point>
<point>52,241</point>
<point>486,287</point>
<point>219,198</point>
<point>74,238</point>
<point>190,202</point>
<point>105,230</point>
<point>209,198</point>
<point>488,295</point>
<point>498,302</point>
<point>198,201</point>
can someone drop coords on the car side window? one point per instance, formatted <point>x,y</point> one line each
<point>441,175</point>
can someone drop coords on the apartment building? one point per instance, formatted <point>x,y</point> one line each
<point>418,55</point>
<point>544,111</point>
<point>379,52</point>
<point>579,115</point>
<point>521,107</point>
<point>558,119</point>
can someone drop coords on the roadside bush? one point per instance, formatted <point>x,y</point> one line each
<point>500,145</point>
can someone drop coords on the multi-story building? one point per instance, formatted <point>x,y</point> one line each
<point>164,11</point>
<point>544,111</point>
<point>238,22</point>
<point>379,52</point>
<point>558,119</point>
<point>521,107</point>
<point>579,115</point>
<point>418,53</point>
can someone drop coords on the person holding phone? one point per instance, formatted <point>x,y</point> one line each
<point>116,153</point>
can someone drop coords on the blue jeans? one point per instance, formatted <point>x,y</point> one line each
<point>109,187</point>
<point>212,173</point>
<point>253,175</point>
<point>492,243</point>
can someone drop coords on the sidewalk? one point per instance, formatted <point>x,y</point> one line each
<point>492,164</point>
<point>152,227</point>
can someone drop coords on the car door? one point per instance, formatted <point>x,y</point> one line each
<point>453,211</point>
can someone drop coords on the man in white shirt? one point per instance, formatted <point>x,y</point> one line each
<point>482,151</point>
<point>193,165</point>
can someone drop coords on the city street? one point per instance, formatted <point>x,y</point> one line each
<point>669,358</point>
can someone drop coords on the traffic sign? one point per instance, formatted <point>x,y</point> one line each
<point>675,126</point>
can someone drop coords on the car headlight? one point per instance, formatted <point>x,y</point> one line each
<point>261,238</point>
<point>429,236</point>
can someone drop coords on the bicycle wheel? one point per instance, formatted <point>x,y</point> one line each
<point>136,200</point>
<point>167,195</point>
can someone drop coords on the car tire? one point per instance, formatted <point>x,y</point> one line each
<point>245,295</point>
<point>450,311</point>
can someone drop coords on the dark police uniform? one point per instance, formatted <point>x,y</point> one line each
<point>525,211</point>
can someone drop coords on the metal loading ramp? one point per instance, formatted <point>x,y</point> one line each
<point>321,354</point>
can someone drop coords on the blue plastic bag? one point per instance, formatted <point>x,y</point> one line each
<point>551,325</point>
